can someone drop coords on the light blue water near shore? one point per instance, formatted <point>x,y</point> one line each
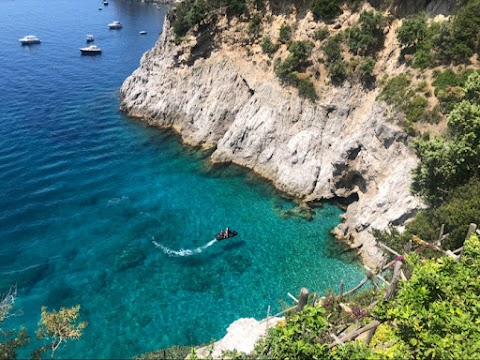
<point>85,192</point>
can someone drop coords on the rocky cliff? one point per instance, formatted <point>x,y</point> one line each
<point>340,147</point>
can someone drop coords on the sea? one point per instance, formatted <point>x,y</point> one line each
<point>102,211</point>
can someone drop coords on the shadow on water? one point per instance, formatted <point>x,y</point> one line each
<point>26,278</point>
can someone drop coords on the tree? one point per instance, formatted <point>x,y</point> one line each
<point>10,340</point>
<point>60,326</point>
<point>367,36</point>
<point>412,31</point>
<point>447,162</point>
<point>325,9</point>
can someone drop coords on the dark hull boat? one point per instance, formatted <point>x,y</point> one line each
<point>222,236</point>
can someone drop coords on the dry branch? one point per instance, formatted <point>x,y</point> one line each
<point>353,334</point>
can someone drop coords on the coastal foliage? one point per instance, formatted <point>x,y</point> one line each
<point>285,33</point>
<point>58,327</point>
<point>325,9</point>
<point>366,37</point>
<point>449,161</point>
<point>336,66</point>
<point>296,337</point>
<point>430,318</point>
<point>268,47</point>
<point>432,312</point>
<point>452,41</point>
<point>288,71</point>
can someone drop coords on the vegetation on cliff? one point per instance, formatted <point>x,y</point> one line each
<point>55,328</point>
<point>432,87</point>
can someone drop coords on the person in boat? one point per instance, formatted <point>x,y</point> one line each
<point>222,234</point>
<point>227,232</point>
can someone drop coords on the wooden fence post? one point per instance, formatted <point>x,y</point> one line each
<point>302,301</point>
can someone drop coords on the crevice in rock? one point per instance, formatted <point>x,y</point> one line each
<point>402,219</point>
<point>202,49</point>
<point>345,201</point>
<point>250,90</point>
<point>353,153</point>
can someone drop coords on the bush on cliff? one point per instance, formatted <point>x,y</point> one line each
<point>268,47</point>
<point>451,160</point>
<point>189,13</point>
<point>366,37</point>
<point>325,9</point>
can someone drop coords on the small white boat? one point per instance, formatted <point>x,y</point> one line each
<point>90,38</point>
<point>29,40</point>
<point>115,25</point>
<point>100,8</point>
<point>105,2</point>
<point>143,32</point>
<point>91,50</point>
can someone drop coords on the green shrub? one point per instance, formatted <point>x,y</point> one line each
<point>300,49</point>
<point>235,7</point>
<point>189,13</point>
<point>448,78</point>
<point>321,33</point>
<point>447,162</point>
<point>366,67</point>
<point>333,48</point>
<point>415,109</point>
<point>285,33</point>
<point>465,29</point>
<point>435,310</point>
<point>306,89</point>
<point>255,25</point>
<point>296,339</point>
<point>325,9</point>
<point>268,47</point>
<point>395,91</point>
<point>423,59</point>
<point>367,36</point>
<point>413,31</point>
<point>337,71</point>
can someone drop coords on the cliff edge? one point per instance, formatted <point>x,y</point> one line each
<point>339,147</point>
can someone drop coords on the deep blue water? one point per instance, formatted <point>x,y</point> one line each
<point>84,191</point>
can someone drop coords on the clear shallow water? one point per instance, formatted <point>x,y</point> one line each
<point>84,191</point>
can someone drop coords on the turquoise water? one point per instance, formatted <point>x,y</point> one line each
<point>95,209</point>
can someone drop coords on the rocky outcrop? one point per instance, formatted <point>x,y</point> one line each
<point>341,147</point>
<point>405,8</point>
<point>241,336</point>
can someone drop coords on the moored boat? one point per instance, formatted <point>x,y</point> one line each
<point>143,32</point>
<point>115,25</point>
<point>90,38</point>
<point>29,40</point>
<point>91,50</point>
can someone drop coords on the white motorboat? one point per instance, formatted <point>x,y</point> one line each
<point>91,50</point>
<point>105,2</point>
<point>29,40</point>
<point>143,32</point>
<point>90,38</point>
<point>115,25</point>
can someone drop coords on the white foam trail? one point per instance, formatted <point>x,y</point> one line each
<point>183,252</point>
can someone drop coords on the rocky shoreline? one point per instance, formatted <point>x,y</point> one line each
<point>340,148</point>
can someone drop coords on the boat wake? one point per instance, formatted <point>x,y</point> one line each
<point>183,252</point>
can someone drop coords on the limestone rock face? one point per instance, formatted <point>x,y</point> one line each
<point>339,147</point>
<point>433,7</point>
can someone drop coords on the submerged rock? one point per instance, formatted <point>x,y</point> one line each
<point>129,259</point>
